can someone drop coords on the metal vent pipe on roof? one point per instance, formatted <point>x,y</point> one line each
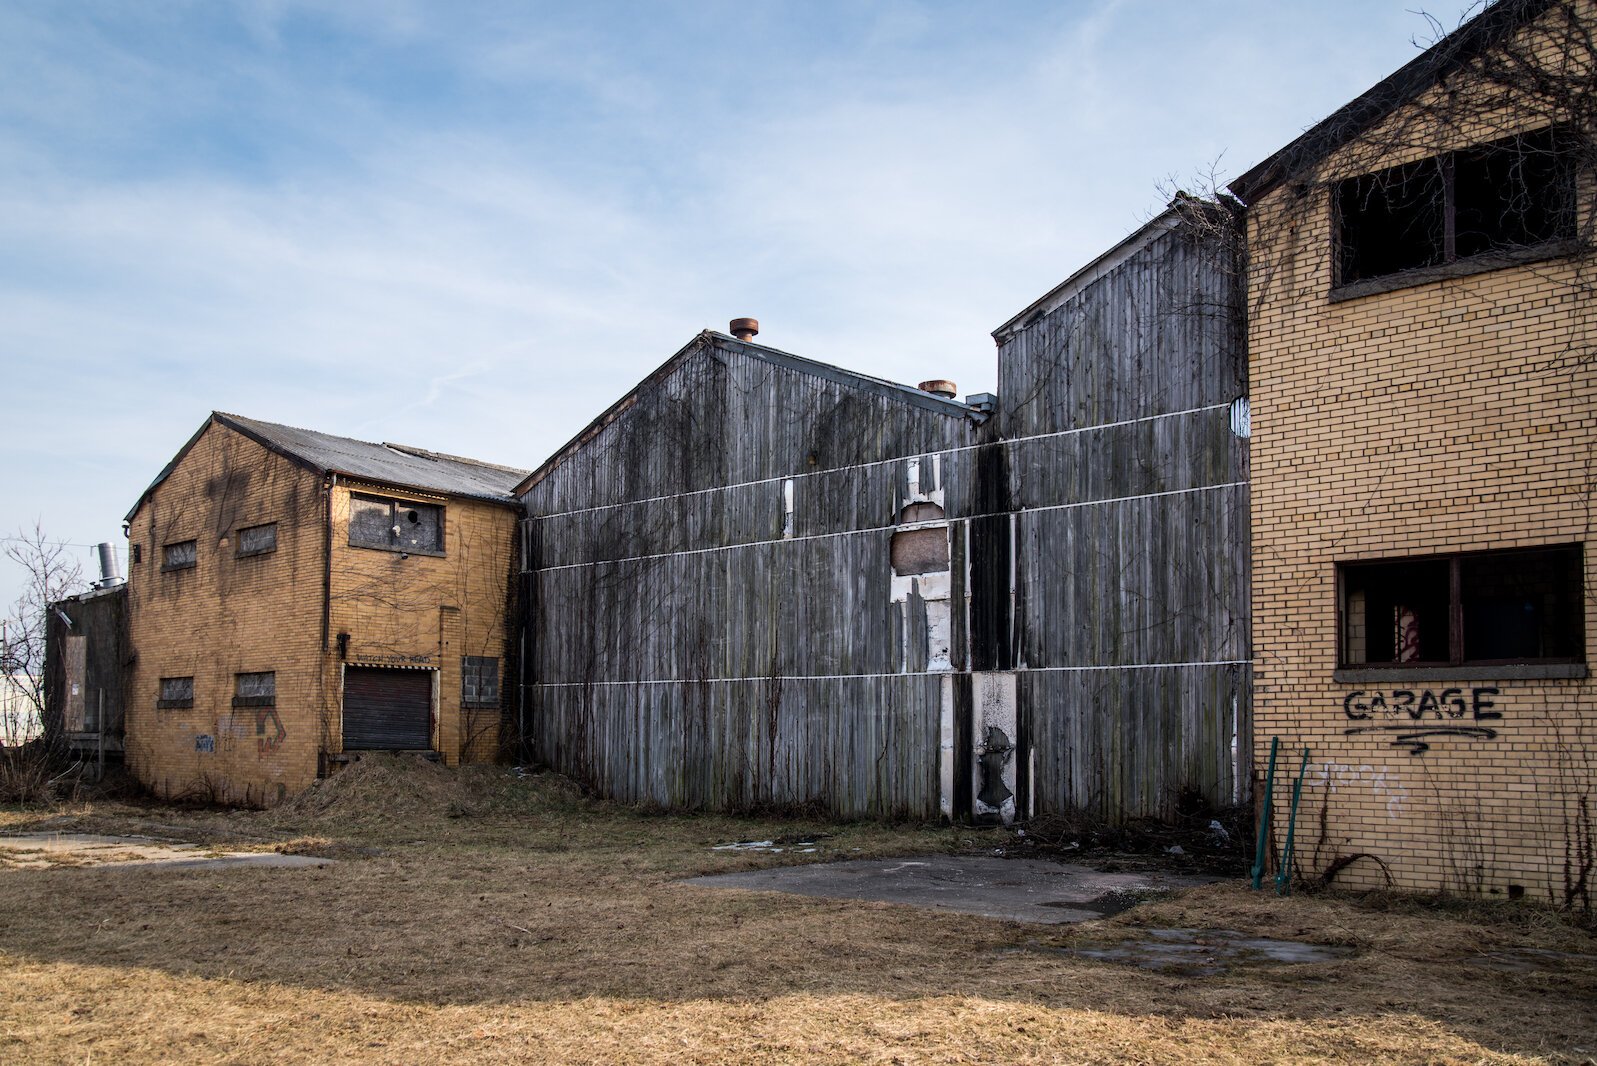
<point>744,329</point>
<point>939,387</point>
<point>108,570</point>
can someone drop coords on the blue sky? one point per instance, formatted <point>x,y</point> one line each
<point>472,226</point>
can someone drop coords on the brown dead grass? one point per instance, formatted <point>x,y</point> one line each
<point>478,917</point>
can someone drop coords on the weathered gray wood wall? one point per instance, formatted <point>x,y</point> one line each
<point>1131,526</point>
<point>714,621</point>
<point>696,641</point>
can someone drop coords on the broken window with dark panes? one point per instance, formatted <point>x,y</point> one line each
<point>1509,195</point>
<point>396,525</point>
<point>257,540</point>
<point>255,690</point>
<point>1514,606</point>
<point>176,692</point>
<point>479,681</point>
<point>180,556</point>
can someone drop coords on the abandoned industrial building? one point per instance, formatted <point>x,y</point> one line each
<point>1424,395</point>
<point>1310,464</point>
<point>294,597</point>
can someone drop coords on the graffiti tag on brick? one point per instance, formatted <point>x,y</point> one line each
<point>1415,717</point>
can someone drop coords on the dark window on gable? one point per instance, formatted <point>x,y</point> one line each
<point>255,690</point>
<point>1513,606</point>
<point>138,556</point>
<point>180,556</point>
<point>1510,194</point>
<point>257,540</point>
<point>479,681</point>
<point>176,692</point>
<point>396,525</point>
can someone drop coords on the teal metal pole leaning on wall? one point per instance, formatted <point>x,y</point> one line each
<point>1264,816</point>
<point>1283,876</point>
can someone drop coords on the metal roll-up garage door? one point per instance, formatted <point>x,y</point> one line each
<point>390,710</point>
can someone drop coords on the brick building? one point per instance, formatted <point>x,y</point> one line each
<point>1424,415</point>
<point>296,598</point>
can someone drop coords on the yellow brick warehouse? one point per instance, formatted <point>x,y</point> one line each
<point>1437,416</point>
<point>252,601</point>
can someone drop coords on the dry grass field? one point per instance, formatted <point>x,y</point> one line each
<point>479,917</point>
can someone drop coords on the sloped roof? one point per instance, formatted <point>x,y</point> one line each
<point>1180,209</point>
<point>1353,119</point>
<point>710,338</point>
<point>400,466</point>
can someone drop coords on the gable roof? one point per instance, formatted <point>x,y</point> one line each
<point>1181,208</point>
<point>400,466</point>
<point>1355,118</point>
<point>713,340</point>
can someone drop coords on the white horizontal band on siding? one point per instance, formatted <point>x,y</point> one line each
<point>871,677</point>
<point>892,528</point>
<point>879,462</point>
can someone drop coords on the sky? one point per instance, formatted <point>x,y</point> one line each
<point>472,226</point>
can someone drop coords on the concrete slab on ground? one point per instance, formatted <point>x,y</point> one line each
<point>1019,890</point>
<point>42,851</point>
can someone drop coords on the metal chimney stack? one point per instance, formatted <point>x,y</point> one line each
<point>108,572</point>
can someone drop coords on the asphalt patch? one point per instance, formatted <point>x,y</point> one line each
<point>1018,890</point>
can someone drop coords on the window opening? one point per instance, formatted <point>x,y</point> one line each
<point>255,690</point>
<point>176,692</point>
<point>479,681</point>
<point>396,525</point>
<point>1516,605</point>
<point>257,540</point>
<point>183,555</point>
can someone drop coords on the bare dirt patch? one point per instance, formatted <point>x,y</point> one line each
<point>480,917</point>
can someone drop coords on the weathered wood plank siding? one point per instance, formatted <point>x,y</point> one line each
<point>706,634</point>
<point>1131,527</point>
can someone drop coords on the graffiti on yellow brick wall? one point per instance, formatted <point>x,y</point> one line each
<point>1415,717</point>
<point>1384,785</point>
<point>269,731</point>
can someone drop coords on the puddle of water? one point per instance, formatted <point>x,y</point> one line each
<point>1205,952</point>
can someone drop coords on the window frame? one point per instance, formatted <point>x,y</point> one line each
<point>168,567</point>
<point>260,699</point>
<point>1457,667</point>
<point>478,703</point>
<point>394,503</point>
<point>240,552</point>
<point>168,703</point>
<point>1453,265</point>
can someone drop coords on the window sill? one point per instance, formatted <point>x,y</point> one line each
<point>180,566</point>
<point>399,551</point>
<point>255,553</point>
<point>174,705</point>
<point>255,701</point>
<point>1482,672</point>
<point>477,705</point>
<point>1459,268</point>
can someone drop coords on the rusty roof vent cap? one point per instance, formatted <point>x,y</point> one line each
<point>939,387</point>
<point>744,329</point>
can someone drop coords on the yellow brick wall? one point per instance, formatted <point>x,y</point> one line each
<point>229,615</point>
<point>1451,416</point>
<point>225,616</point>
<point>430,611</point>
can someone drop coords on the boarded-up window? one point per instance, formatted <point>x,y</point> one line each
<point>180,556</point>
<point>176,692</point>
<point>479,681</point>
<point>396,525</point>
<point>255,690</point>
<point>257,540</point>
<point>924,550</point>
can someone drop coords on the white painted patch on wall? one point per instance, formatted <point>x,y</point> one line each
<point>787,509</point>
<point>945,752</point>
<point>994,730</point>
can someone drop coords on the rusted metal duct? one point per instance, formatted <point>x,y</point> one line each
<point>744,329</point>
<point>939,387</point>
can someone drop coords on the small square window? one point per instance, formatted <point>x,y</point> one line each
<point>479,681</point>
<point>180,556</point>
<point>255,690</point>
<point>257,540</point>
<point>176,692</point>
